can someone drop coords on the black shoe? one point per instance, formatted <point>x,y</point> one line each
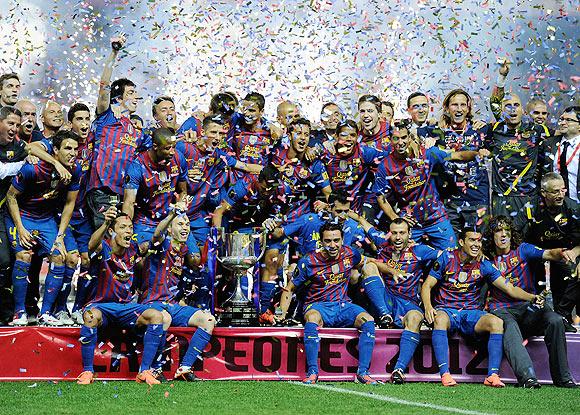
<point>158,374</point>
<point>569,384</point>
<point>568,327</point>
<point>531,383</point>
<point>397,377</point>
<point>385,321</point>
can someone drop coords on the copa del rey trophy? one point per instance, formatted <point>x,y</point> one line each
<point>238,252</point>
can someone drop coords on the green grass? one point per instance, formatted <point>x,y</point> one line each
<point>241,398</point>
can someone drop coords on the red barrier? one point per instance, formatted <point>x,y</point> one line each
<point>248,354</point>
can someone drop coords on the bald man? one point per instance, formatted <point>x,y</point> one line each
<point>52,118</point>
<point>28,126</point>
<point>518,150</point>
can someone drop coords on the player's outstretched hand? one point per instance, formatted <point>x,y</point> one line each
<point>311,153</point>
<point>270,224</point>
<point>320,206</point>
<point>569,255</point>
<point>190,136</point>
<point>484,152</point>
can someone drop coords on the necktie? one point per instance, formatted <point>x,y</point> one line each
<point>562,161</point>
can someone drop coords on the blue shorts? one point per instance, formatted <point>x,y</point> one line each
<point>336,314</point>
<point>121,314</point>
<point>441,235</point>
<point>463,321</point>
<point>144,233</point>
<point>398,307</point>
<point>77,236</point>
<point>200,230</point>
<point>45,231</point>
<point>180,314</point>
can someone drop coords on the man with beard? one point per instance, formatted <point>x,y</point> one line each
<point>35,198</point>
<point>326,274</point>
<point>374,132</point>
<point>460,275</point>
<point>116,138</point>
<point>406,179</point>
<point>397,304</point>
<point>9,89</point>
<point>463,186</point>
<point>515,260</point>
<point>556,224</point>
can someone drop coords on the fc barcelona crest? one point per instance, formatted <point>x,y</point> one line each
<point>163,176</point>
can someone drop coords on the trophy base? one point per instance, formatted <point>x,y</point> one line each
<point>238,314</point>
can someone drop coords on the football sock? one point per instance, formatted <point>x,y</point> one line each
<point>311,346</point>
<point>441,349</point>
<point>409,342</point>
<point>366,343</point>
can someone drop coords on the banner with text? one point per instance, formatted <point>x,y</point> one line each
<point>250,354</point>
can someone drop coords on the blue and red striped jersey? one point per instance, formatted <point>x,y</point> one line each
<point>191,123</point>
<point>43,193</point>
<point>515,267</point>
<point>408,184</point>
<point>116,143</point>
<point>305,232</point>
<point>162,270</point>
<point>414,260</point>
<point>327,278</point>
<point>114,273</point>
<point>381,140</point>
<point>460,284</point>
<point>214,168</point>
<point>156,184</point>
<point>252,147</point>
<point>304,181</point>
<point>353,173</point>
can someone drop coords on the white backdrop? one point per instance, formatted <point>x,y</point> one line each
<point>306,51</point>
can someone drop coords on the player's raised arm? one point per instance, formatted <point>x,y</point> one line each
<point>104,98</point>
<point>498,91</point>
<point>98,236</point>
<point>219,212</point>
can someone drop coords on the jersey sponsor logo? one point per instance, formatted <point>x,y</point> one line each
<point>413,182</point>
<point>513,146</point>
<point>129,140</point>
<point>251,152</point>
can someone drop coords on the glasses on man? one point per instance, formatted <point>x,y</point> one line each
<point>567,120</point>
<point>556,192</point>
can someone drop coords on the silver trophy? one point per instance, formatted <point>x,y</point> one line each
<point>238,252</point>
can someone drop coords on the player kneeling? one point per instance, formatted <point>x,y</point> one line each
<point>112,262</point>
